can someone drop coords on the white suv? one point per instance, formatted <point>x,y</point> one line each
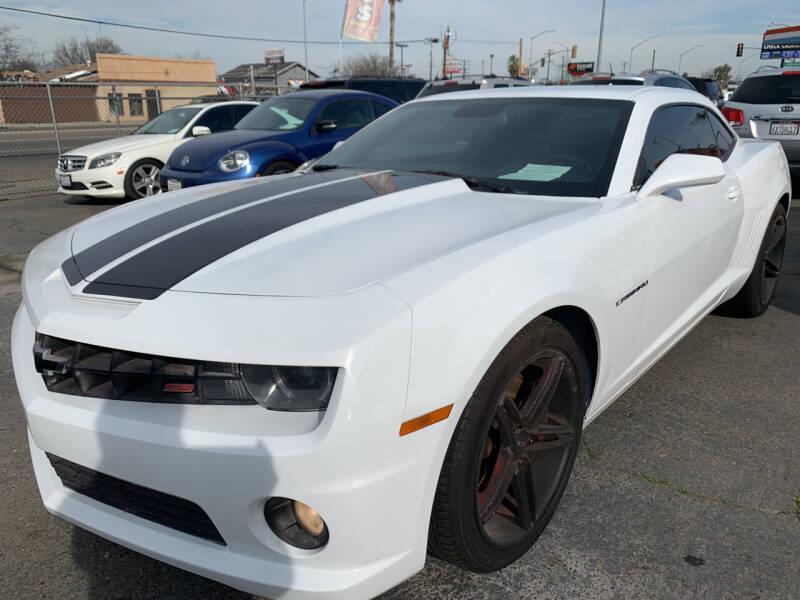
<point>766,105</point>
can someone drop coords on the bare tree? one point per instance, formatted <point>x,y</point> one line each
<point>14,55</point>
<point>76,51</point>
<point>193,55</point>
<point>365,65</point>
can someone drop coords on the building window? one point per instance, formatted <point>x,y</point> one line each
<point>135,107</point>
<point>115,105</point>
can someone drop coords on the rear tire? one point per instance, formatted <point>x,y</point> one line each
<point>759,290</point>
<point>512,452</point>
<point>279,167</point>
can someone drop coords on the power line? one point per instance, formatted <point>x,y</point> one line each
<point>223,36</point>
<point>191,33</point>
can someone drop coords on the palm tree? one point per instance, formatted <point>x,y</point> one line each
<point>391,36</point>
<point>513,65</point>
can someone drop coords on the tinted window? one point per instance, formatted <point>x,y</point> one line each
<point>430,90</point>
<point>279,113</point>
<point>399,90</point>
<point>675,130</point>
<point>347,114</point>
<point>561,147</point>
<point>684,84</point>
<point>240,110</point>
<point>770,89</point>
<point>217,119</point>
<point>608,81</point>
<point>380,108</point>
<point>499,85</point>
<point>723,137</point>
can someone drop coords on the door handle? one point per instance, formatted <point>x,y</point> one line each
<point>732,193</point>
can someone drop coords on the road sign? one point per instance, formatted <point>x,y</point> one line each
<point>781,43</point>
<point>274,56</point>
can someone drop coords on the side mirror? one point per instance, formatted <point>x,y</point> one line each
<point>683,170</point>
<point>322,126</point>
<point>198,130</point>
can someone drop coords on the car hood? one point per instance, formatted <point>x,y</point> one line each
<point>122,144</point>
<point>204,150</point>
<point>294,235</point>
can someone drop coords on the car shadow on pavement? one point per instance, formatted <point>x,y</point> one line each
<point>89,201</point>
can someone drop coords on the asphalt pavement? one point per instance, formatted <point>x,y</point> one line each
<point>688,486</point>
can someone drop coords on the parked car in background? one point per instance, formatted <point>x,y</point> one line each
<point>128,166</point>
<point>282,133</point>
<point>654,77</point>
<point>708,87</point>
<point>474,82</point>
<point>766,105</point>
<point>399,89</point>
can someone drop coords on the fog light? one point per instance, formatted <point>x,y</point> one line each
<point>296,523</point>
<point>308,518</point>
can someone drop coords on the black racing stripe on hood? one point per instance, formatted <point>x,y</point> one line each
<point>156,269</point>
<point>98,255</point>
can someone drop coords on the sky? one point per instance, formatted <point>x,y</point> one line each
<point>479,29</point>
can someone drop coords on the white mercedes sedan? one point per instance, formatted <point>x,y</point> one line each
<point>128,166</point>
<point>300,385</point>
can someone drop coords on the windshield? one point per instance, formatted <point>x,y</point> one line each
<point>770,89</point>
<point>549,146</point>
<point>171,121</point>
<point>279,113</point>
<point>448,87</point>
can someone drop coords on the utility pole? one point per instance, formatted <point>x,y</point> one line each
<point>483,66</point>
<point>653,62</point>
<point>305,40</point>
<point>600,39</point>
<point>401,46</point>
<point>445,48</point>
<point>252,81</point>
<point>491,65</point>
<point>519,62</point>
<point>431,42</point>
<point>464,69</point>
<point>548,65</point>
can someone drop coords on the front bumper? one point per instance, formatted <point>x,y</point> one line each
<point>372,487</point>
<point>107,182</point>
<point>193,178</point>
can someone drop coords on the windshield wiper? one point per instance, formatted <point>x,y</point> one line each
<point>475,183</point>
<point>324,167</point>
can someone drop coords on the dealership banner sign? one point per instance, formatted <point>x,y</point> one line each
<point>576,69</point>
<point>362,19</point>
<point>781,43</point>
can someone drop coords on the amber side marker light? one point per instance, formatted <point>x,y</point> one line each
<point>440,414</point>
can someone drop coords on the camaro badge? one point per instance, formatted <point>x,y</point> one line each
<point>633,291</point>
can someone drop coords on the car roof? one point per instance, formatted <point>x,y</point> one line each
<point>767,70</point>
<point>653,94</point>
<point>322,92</point>
<point>207,104</point>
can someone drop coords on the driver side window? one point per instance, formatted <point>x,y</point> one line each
<point>675,130</point>
<point>347,114</point>
<point>219,118</point>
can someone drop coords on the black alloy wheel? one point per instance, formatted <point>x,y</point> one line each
<point>512,452</point>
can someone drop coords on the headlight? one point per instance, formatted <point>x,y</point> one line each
<point>233,161</point>
<point>104,161</point>
<point>290,388</point>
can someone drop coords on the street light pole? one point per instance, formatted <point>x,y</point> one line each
<point>401,46</point>
<point>491,64</point>
<point>431,42</point>
<point>600,38</point>
<point>680,58</point>
<point>630,62</point>
<point>566,49</point>
<point>305,40</point>
<point>530,52</point>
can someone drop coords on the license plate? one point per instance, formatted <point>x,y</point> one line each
<point>777,128</point>
<point>173,184</point>
<point>65,181</point>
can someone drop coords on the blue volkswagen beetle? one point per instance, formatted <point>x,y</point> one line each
<point>275,137</point>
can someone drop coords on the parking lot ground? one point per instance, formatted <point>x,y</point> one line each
<point>688,486</point>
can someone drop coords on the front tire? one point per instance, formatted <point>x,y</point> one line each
<point>759,290</point>
<point>142,180</point>
<point>279,167</point>
<point>512,452</point>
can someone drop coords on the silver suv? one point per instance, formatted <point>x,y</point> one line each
<point>657,77</point>
<point>766,105</point>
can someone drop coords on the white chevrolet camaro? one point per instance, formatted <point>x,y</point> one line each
<point>128,166</point>
<point>300,385</point>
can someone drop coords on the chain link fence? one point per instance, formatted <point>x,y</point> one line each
<point>40,121</point>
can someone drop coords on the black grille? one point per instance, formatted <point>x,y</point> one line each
<point>74,186</point>
<point>137,500</point>
<point>85,370</point>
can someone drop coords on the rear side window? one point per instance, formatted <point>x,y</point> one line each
<point>240,110</point>
<point>348,114</point>
<point>769,89</point>
<point>217,119</point>
<point>722,136</point>
<point>609,81</point>
<point>380,108</point>
<point>681,129</point>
